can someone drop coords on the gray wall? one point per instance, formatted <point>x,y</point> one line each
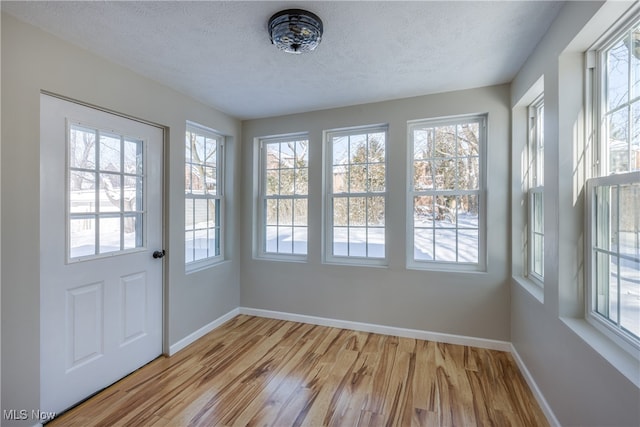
<point>33,61</point>
<point>470,304</point>
<point>578,370</point>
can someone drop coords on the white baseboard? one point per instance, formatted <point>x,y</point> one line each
<point>194,336</point>
<point>381,329</point>
<point>551,417</point>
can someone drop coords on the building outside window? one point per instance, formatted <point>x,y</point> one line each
<point>204,197</point>
<point>284,183</point>
<point>446,193</point>
<point>356,196</point>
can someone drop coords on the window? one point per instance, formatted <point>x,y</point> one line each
<point>620,104</point>
<point>613,195</point>
<point>204,201</point>
<point>615,204</point>
<point>535,247</point>
<point>356,195</point>
<point>284,196</point>
<point>105,192</point>
<point>446,193</point>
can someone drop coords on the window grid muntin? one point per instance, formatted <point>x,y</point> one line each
<point>356,133</point>
<point>430,126</point>
<point>98,215</point>
<point>536,142</point>
<point>536,233</point>
<point>601,232</point>
<point>604,175</point>
<point>603,160</point>
<point>214,197</point>
<point>298,171</point>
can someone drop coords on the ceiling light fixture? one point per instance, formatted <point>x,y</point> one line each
<point>295,30</point>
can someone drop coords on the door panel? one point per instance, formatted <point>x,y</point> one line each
<point>84,324</point>
<point>134,306</point>
<point>100,221</point>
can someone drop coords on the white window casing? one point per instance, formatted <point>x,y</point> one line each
<point>283,198</point>
<point>356,196</point>
<point>446,193</point>
<point>612,249</point>
<point>204,197</point>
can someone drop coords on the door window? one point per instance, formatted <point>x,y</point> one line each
<point>105,187</point>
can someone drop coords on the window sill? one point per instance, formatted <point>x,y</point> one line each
<point>354,264</point>
<point>622,360</point>
<point>194,267</point>
<point>446,268</point>
<point>281,258</point>
<point>356,261</point>
<point>530,286</point>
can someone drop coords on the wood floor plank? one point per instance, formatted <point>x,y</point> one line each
<point>264,372</point>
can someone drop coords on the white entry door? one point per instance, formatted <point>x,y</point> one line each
<point>100,224</point>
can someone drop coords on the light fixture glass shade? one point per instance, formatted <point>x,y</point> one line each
<point>295,30</point>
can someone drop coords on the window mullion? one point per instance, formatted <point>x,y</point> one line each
<point>349,226</point>
<point>278,225</point>
<point>193,226</point>
<point>366,226</point>
<point>618,243</point>
<point>97,191</point>
<point>630,82</point>
<point>122,184</point>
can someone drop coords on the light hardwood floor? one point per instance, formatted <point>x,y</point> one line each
<point>262,372</point>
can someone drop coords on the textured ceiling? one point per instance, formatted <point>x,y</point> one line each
<point>220,54</point>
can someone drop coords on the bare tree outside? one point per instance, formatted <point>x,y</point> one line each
<point>446,182</point>
<point>359,193</point>
<point>203,194</point>
<point>285,195</point>
<point>105,187</point>
<point>616,194</point>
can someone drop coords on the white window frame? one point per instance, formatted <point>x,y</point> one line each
<point>96,215</point>
<point>611,328</point>
<point>329,256</point>
<point>218,197</point>
<point>602,176</point>
<point>413,263</point>
<point>263,198</point>
<point>597,56</point>
<point>536,188</point>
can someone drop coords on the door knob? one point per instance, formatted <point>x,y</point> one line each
<point>159,254</point>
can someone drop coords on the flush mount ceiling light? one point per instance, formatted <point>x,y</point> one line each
<point>295,30</point>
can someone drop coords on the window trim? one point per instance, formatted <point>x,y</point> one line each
<point>596,58</point>
<point>616,334</point>
<point>197,265</point>
<point>595,102</point>
<point>536,174</point>
<point>328,256</point>
<point>260,252</point>
<point>452,266</point>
